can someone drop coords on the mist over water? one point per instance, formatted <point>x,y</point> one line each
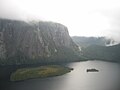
<point>108,78</point>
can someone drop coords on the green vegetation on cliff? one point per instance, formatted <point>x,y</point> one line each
<point>39,72</point>
<point>108,53</point>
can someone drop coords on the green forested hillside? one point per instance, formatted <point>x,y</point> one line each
<point>109,53</point>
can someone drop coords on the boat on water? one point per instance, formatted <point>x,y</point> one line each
<point>92,70</point>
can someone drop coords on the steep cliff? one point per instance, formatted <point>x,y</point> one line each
<point>35,42</point>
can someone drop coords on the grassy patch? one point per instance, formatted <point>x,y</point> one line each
<point>39,72</point>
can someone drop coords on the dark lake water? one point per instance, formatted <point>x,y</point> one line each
<point>108,78</point>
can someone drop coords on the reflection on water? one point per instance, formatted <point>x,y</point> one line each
<point>108,78</point>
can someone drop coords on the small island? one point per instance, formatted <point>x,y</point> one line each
<point>39,72</point>
<point>92,70</point>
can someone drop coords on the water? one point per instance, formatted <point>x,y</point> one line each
<point>108,78</point>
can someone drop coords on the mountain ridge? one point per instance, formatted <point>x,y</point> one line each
<point>84,42</point>
<point>107,53</point>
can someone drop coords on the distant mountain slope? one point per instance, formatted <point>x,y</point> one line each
<point>88,41</point>
<point>35,42</point>
<point>110,53</point>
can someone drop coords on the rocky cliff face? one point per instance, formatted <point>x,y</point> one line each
<point>22,43</point>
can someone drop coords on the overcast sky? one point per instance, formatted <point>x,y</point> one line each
<point>82,17</point>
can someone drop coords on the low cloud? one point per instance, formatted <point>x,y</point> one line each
<point>114,20</point>
<point>82,17</point>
